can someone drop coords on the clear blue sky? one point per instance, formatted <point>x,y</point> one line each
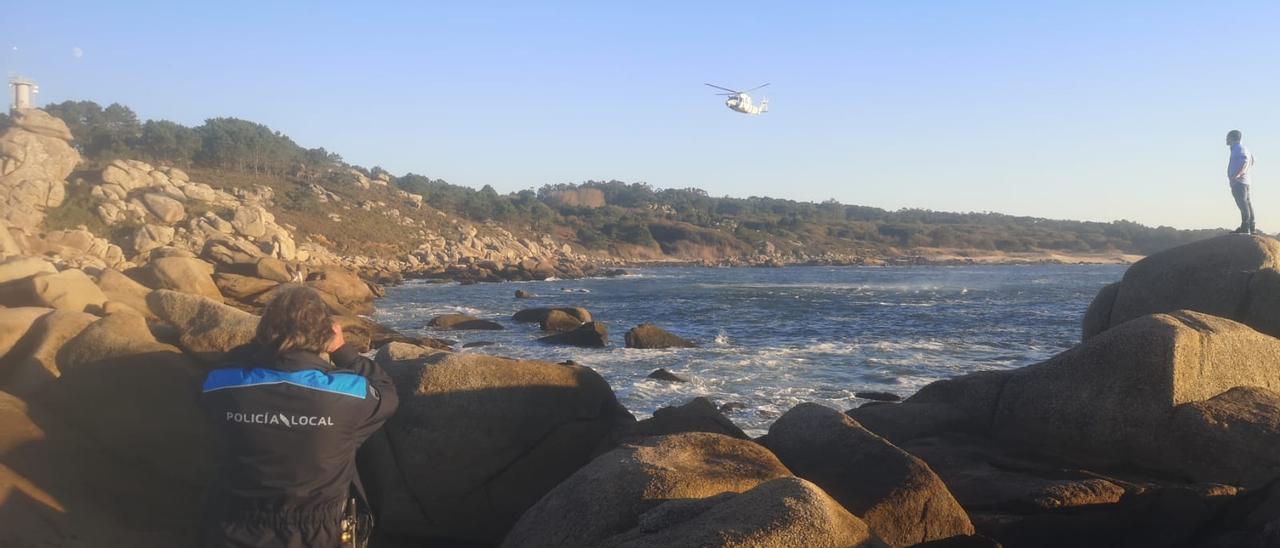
<point>1082,110</point>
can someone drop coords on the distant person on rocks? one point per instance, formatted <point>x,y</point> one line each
<point>289,422</point>
<point>1238,174</point>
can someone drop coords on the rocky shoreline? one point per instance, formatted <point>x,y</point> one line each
<point>1158,429</point>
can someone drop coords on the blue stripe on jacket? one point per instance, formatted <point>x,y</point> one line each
<point>347,384</point>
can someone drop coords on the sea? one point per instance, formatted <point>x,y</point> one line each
<point>771,338</point>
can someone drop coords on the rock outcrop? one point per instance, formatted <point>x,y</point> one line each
<point>461,322</point>
<point>35,160</point>
<point>587,335</point>
<point>609,496</point>
<point>699,415</point>
<point>207,329</point>
<point>647,335</point>
<point>479,439</point>
<point>899,497</point>
<point>1234,276</point>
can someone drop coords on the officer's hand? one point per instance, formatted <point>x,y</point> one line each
<point>337,341</point>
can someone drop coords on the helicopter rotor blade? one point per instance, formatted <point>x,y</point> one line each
<point>726,89</point>
<point>757,87</point>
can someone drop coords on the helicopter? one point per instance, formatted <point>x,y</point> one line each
<point>741,102</point>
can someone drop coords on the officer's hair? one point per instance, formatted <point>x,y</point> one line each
<point>1235,135</point>
<point>295,319</point>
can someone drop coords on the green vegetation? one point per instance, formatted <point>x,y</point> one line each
<point>600,215</point>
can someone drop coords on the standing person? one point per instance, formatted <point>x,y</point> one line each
<point>1238,174</point>
<point>290,422</point>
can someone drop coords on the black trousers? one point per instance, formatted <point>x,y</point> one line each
<point>1240,192</point>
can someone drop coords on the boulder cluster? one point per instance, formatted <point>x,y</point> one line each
<point>1158,429</point>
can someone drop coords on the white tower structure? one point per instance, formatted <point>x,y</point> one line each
<point>23,89</point>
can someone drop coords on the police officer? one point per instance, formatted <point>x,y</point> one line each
<point>289,422</point>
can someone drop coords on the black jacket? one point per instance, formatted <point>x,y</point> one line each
<point>289,427</point>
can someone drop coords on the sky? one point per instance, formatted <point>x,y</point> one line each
<point>1069,110</point>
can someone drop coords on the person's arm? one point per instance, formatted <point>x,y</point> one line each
<point>382,391</point>
<point>1244,167</point>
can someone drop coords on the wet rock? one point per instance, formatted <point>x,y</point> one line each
<point>530,315</point>
<point>663,375</point>
<point>588,335</point>
<point>559,320</point>
<point>648,335</point>
<point>452,322</point>
<point>878,396</point>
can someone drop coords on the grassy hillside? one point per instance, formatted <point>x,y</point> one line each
<point>631,221</point>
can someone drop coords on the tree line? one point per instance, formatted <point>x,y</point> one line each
<point>106,134</point>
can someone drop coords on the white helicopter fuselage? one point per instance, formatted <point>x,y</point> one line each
<point>742,103</point>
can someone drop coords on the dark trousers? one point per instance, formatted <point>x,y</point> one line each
<point>1240,192</point>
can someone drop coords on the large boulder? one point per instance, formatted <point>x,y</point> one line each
<point>349,293</point>
<point>903,422</point>
<point>148,237</point>
<point>33,364</point>
<point>587,335</point>
<point>1233,276</point>
<point>125,290</point>
<point>984,477</point>
<point>17,268</point>
<point>609,496</point>
<point>136,396</point>
<point>395,351</point>
<point>14,324</point>
<point>164,207</point>
<point>242,288</point>
<point>647,335</point>
<point>1110,400</point>
<point>207,329</point>
<point>70,289</point>
<point>781,512</point>
<point>533,315</point>
<point>699,415</point>
<point>559,320</point>
<point>184,274</point>
<point>60,487</point>
<point>896,494</point>
<point>451,322</point>
<point>1230,438</point>
<point>479,439</point>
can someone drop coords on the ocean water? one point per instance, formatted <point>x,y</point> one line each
<point>771,338</point>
